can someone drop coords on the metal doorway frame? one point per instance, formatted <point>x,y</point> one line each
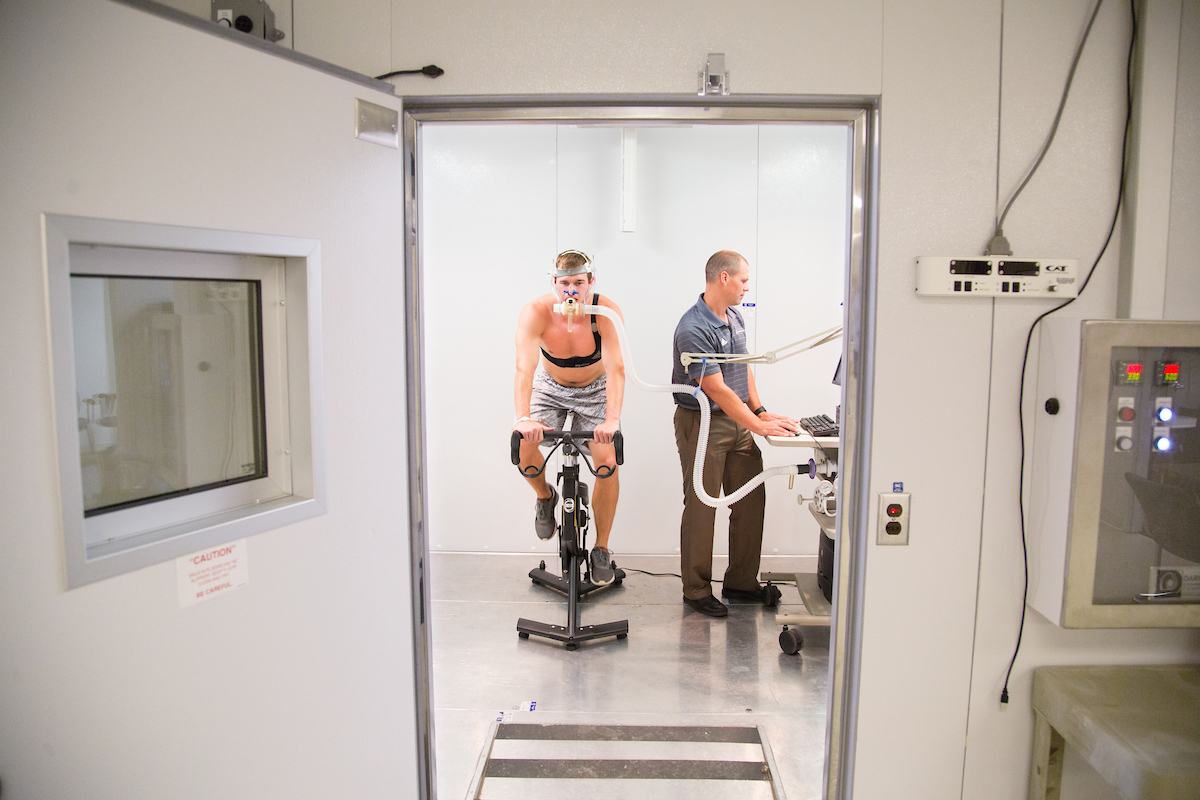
<point>861,114</point>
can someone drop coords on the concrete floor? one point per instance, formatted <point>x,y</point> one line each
<point>677,667</point>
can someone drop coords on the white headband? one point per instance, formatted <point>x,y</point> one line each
<point>587,265</point>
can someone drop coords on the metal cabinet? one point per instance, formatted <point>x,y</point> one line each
<point>1113,512</point>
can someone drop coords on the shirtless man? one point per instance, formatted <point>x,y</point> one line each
<point>582,371</point>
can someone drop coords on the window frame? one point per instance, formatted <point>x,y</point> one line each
<point>108,544</point>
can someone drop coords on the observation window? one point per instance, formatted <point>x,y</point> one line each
<point>187,395</point>
<point>169,381</point>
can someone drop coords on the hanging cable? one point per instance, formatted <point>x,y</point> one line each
<point>432,70</point>
<point>1029,337</point>
<point>999,246</point>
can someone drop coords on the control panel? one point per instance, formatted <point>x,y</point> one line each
<point>1145,430</point>
<point>998,276</point>
<point>1114,474</point>
<point>893,518</point>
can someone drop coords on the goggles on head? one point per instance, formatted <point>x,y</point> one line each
<point>587,265</point>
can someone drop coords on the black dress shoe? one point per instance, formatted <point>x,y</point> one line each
<point>708,605</point>
<point>767,595</point>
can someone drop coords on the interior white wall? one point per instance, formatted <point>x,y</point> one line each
<point>1066,211</point>
<point>301,683</point>
<point>931,363</point>
<point>476,278</point>
<point>1183,246</point>
<point>937,68</point>
<point>510,197</point>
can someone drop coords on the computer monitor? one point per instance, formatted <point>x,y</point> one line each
<point>837,374</point>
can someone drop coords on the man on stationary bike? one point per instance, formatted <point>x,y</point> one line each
<point>580,370</point>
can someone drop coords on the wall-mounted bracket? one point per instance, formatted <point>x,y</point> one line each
<point>378,124</point>
<point>714,78</point>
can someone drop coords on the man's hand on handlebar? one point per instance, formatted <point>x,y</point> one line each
<point>777,425</point>
<point>605,430</point>
<point>531,429</point>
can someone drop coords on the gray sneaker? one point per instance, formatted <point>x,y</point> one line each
<point>543,515</point>
<point>601,566</point>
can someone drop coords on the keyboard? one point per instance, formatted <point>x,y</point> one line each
<point>820,425</point>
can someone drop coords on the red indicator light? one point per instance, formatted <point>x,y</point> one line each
<point>1128,372</point>
<point>894,510</point>
<point>1166,373</point>
<point>1126,414</point>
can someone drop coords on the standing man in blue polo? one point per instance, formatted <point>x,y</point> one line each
<point>714,325</point>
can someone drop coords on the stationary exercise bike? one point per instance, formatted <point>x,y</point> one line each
<point>572,539</point>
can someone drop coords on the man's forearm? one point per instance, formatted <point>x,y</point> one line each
<point>728,401</point>
<point>754,401</point>
<point>614,395</point>
<point>522,391</point>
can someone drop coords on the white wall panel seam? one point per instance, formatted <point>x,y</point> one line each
<point>982,529</point>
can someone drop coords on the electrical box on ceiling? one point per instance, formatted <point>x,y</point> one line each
<point>254,17</point>
<point>998,276</point>
<point>1113,484</point>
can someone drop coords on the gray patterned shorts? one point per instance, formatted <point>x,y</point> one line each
<point>550,401</point>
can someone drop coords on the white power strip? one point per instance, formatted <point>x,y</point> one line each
<point>998,276</point>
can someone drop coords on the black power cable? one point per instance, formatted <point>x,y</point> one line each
<point>1029,337</point>
<point>432,70</point>
<point>677,575</point>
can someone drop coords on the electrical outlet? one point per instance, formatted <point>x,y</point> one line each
<point>893,518</point>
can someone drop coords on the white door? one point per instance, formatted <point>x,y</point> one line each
<point>299,684</point>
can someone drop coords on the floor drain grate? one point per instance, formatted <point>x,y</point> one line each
<point>529,761</point>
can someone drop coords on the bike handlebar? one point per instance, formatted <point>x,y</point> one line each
<point>566,436</point>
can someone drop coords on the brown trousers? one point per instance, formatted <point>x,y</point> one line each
<point>732,459</point>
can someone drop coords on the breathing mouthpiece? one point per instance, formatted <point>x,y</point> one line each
<point>569,308</point>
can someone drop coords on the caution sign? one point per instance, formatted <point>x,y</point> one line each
<point>211,572</point>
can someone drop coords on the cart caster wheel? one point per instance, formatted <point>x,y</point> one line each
<point>572,646</point>
<point>542,565</point>
<point>523,634</point>
<point>771,595</point>
<point>618,581</point>
<point>622,635</point>
<point>791,641</point>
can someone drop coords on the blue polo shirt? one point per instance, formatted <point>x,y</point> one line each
<point>700,331</point>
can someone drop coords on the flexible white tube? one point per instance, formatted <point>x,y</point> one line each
<point>705,417</point>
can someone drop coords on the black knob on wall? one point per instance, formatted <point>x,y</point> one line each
<point>1052,406</point>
